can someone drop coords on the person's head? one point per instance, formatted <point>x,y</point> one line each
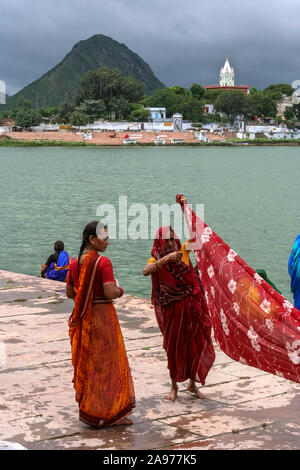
<point>94,237</point>
<point>166,241</point>
<point>59,246</point>
<point>170,240</point>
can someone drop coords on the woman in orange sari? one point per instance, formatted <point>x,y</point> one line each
<point>102,377</point>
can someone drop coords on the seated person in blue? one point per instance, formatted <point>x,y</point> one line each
<point>57,265</point>
<point>294,272</point>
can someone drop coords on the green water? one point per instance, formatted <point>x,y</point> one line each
<point>250,196</point>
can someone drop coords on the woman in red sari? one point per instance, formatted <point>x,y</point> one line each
<point>102,377</point>
<point>181,312</point>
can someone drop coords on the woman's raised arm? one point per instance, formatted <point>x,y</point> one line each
<point>151,268</point>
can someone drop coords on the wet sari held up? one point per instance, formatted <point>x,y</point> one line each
<point>181,314</point>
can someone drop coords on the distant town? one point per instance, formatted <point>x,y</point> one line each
<point>122,114</point>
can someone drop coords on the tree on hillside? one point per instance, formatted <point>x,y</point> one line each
<point>78,118</point>
<point>162,98</point>
<point>50,113</point>
<point>23,103</point>
<point>95,109</point>
<point>121,107</point>
<point>108,84</point>
<point>27,118</point>
<point>139,113</point>
<point>231,102</point>
<point>211,96</point>
<point>176,100</point>
<point>260,104</point>
<point>275,91</point>
<point>178,90</point>
<point>65,111</point>
<point>197,91</point>
<point>292,114</point>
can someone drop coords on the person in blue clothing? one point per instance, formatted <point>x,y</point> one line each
<point>57,265</point>
<point>294,272</point>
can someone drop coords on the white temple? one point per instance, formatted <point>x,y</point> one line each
<point>227,75</point>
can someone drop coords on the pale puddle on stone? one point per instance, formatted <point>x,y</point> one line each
<point>212,424</point>
<point>5,445</point>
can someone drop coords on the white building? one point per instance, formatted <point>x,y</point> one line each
<point>283,104</point>
<point>209,109</point>
<point>227,74</point>
<point>157,113</point>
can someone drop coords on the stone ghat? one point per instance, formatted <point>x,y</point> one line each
<point>244,407</point>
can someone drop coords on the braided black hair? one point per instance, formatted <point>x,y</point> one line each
<point>93,228</point>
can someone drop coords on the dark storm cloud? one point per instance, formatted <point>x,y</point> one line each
<point>183,42</point>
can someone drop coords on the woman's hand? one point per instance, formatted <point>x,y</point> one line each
<point>122,291</point>
<point>174,257</point>
<point>181,199</point>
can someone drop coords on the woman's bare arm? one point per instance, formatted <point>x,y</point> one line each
<point>111,291</point>
<point>151,268</point>
<point>70,292</point>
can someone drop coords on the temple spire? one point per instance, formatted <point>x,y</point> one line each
<point>227,74</point>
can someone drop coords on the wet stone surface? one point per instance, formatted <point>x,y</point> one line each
<point>244,408</point>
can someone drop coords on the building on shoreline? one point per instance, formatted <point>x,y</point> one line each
<point>227,80</point>
<point>283,104</point>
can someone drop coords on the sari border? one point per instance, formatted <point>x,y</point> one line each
<point>97,422</point>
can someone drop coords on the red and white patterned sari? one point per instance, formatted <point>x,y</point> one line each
<point>252,322</point>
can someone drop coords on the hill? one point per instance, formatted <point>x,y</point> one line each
<point>61,83</point>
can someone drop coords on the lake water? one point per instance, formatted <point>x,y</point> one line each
<point>250,197</point>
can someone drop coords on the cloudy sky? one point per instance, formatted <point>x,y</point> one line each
<point>184,42</point>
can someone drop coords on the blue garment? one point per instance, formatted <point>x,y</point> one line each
<point>294,272</point>
<point>55,272</point>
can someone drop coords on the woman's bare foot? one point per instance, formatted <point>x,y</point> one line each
<point>173,394</point>
<point>194,389</point>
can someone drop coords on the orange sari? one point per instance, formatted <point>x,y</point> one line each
<point>102,377</point>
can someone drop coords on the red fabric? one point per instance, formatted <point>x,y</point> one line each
<point>182,316</point>
<point>175,280</point>
<point>252,322</point>
<point>103,274</point>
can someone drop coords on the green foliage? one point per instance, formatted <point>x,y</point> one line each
<point>261,104</point>
<point>275,91</point>
<point>289,113</point>
<point>95,109</point>
<point>115,91</point>
<point>232,103</point>
<point>197,91</point>
<point>121,107</point>
<point>178,90</point>
<point>296,110</point>
<point>23,103</point>
<point>49,111</point>
<point>176,100</point>
<point>106,84</point>
<point>4,114</point>
<point>139,114</point>
<point>64,113</point>
<point>212,95</point>
<point>292,114</point>
<point>77,118</point>
<point>27,118</point>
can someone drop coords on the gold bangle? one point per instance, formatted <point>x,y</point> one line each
<point>158,264</point>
